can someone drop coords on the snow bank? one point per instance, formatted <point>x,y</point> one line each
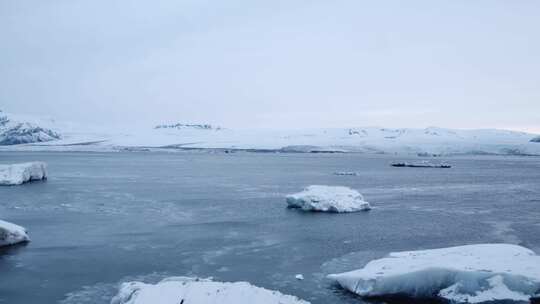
<point>473,274</point>
<point>328,199</point>
<point>12,234</point>
<point>17,174</point>
<point>185,290</point>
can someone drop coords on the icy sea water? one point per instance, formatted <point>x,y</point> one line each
<point>104,218</point>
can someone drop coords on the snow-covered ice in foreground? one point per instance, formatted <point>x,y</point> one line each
<point>11,234</point>
<point>186,290</point>
<point>17,174</point>
<point>472,273</point>
<point>328,199</point>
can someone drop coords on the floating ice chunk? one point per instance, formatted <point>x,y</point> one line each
<point>11,234</point>
<point>299,277</point>
<point>17,174</point>
<point>423,164</point>
<point>185,290</point>
<point>346,173</point>
<point>328,199</point>
<point>472,274</point>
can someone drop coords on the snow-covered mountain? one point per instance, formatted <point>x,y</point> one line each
<point>14,131</point>
<point>51,135</point>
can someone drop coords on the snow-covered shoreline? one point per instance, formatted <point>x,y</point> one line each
<point>471,273</point>
<point>370,140</point>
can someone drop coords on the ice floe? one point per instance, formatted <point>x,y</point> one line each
<point>176,290</point>
<point>423,164</point>
<point>17,174</point>
<point>11,234</point>
<point>471,273</point>
<point>328,199</point>
<point>346,173</point>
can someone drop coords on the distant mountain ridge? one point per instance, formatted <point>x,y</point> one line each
<point>435,133</point>
<point>30,133</point>
<point>188,126</point>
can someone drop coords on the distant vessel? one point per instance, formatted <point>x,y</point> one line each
<point>421,165</point>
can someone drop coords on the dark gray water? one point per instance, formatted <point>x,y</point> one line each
<point>101,219</point>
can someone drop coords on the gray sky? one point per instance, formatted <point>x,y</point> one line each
<point>282,64</point>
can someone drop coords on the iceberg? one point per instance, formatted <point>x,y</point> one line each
<point>328,199</point>
<point>463,274</point>
<point>17,174</point>
<point>176,290</point>
<point>11,234</point>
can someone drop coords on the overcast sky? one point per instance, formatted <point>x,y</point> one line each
<point>280,64</point>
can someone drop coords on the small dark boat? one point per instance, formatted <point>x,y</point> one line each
<point>421,165</point>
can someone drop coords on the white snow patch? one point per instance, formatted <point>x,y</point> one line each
<point>11,234</point>
<point>186,290</point>
<point>472,273</point>
<point>17,174</point>
<point>328,199</point>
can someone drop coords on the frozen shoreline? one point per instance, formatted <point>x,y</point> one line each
<point>431,141</point>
